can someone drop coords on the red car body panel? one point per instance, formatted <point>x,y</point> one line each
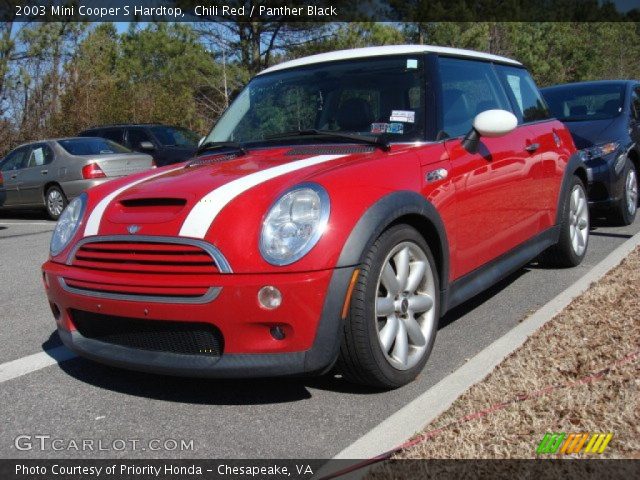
<point>236,312</point>
<point>466,200</point>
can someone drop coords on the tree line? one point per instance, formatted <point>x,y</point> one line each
<point>59,78</point>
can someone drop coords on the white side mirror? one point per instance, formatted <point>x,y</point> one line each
<point>495,123</point>
<point>490,124</point>
<point>201,140</point>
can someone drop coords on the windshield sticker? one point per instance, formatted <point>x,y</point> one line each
<point>379,127</point>
<point>395,128</point>
<point>412,63</point>
<point>406,116</point>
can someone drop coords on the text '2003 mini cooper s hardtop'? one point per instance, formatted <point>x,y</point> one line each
<point>340,206</point>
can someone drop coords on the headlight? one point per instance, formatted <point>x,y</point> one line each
<point>68,224</point>
<point>600,151</point>
<point>294,224</point>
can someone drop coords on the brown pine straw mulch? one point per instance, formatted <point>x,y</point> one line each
<point>589,354</point>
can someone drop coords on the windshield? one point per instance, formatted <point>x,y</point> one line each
<point>175,137</point>
<point>92,146</point>
<point>371,97</point>
<point>585,102</point>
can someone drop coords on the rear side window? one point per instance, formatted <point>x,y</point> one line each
<point>40,155</point>
<point>15,160</point>
<point>468,88</point>
<point>136,136</point>
<point>528,102</point>
<point>175,137</point>
<point>113,134</point>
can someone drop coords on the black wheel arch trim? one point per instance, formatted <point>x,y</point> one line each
<point>375,220</point>
<point>575,166</point>
<point>384,213</point>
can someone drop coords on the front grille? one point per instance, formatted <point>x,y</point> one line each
<point>187,338</point>
<point>168,293</point>
<point>144,257</point>
<point>148,268</point>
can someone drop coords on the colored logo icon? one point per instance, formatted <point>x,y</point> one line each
<point>563,443</point>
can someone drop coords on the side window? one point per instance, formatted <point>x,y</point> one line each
<point>468,88</point>
<point>524,93</point>
<point>15,160</point>
<point>136,136</point>
<point>113,134</point>
<point>40,155</point>
<point>635,103</point>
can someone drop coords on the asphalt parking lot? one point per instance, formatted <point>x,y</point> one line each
<point>271,418</point>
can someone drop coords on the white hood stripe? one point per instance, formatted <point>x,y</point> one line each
<point>93,223</point>
<point>207,209</point>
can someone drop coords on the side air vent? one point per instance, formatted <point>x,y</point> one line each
<point>210,160</point>
<point>330,150</point>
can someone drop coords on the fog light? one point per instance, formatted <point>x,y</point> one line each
<point>269,297</point>
<point>277,332</point>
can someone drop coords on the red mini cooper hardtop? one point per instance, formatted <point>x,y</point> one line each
<point>342,204</point>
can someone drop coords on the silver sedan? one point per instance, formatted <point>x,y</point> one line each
<point>49,173</point>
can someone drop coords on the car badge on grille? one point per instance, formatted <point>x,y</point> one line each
<point>133,229</point>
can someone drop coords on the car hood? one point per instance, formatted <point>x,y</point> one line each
<point>589,133</point>
<point>187,199</point>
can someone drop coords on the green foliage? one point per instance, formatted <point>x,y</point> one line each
<point>57,79</point>
<point>351,35</point>
<point>148,75</point>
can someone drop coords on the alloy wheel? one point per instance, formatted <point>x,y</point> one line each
<point>405,305</point>
<point>631,190</point>
<point>55,202</point>
<point>578,220</point>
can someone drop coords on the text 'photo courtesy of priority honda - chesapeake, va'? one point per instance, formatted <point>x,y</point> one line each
<point>355,239</point>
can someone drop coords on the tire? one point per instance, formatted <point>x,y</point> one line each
<point>574,230</point>
<point>374,306</point>
<point>625,212</point>
<point>55,202</point>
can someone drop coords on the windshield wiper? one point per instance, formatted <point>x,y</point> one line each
<point>378,142</point>
<point>208,146</point>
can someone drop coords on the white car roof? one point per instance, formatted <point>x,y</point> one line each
<point>386,50</point>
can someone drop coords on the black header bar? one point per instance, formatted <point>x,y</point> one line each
<point>319,10</point>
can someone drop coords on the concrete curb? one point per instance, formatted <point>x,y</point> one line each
<point>416,415</point>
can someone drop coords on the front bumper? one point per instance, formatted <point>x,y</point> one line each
<point>606,185</point>
<point>309,315</point>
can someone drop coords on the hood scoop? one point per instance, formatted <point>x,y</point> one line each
<point>329,150</point>
<point>153,202</point>
<point>138,210</point>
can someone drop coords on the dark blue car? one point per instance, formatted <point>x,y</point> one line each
<point>604,120</point>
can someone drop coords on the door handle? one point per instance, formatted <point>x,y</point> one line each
<point>532,147</point>
<point>15,175</point>
<point>44,172</point>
